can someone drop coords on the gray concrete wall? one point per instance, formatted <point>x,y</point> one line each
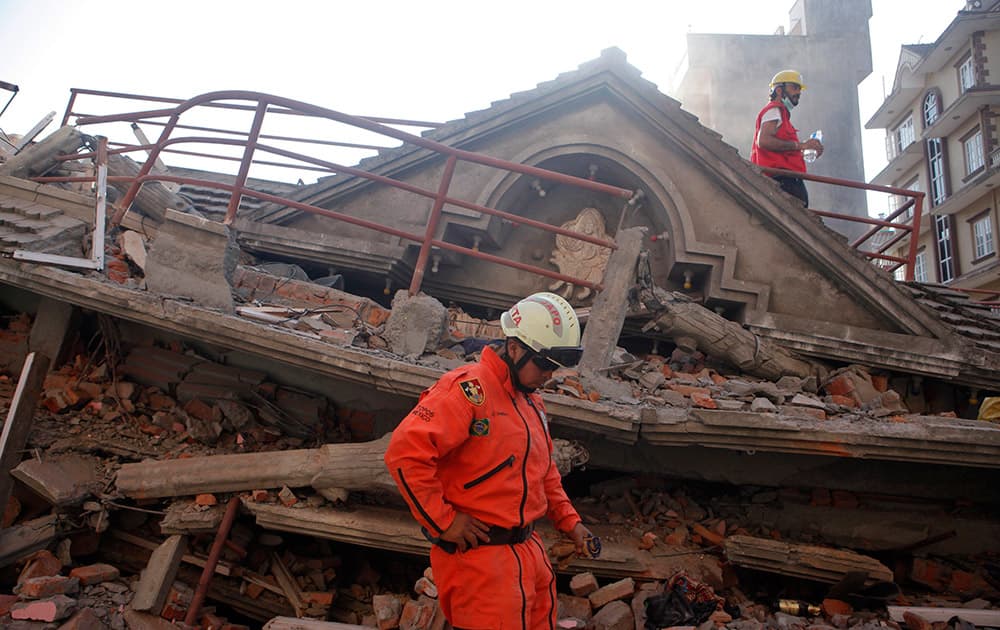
<point>727,78</point>
<point>710,232</point>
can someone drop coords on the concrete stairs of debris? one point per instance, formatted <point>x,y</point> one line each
<point>32,224</point>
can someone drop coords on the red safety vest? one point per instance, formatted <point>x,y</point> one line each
<point>789,160</point>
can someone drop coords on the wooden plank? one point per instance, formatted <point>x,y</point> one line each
<point>288,584</point>
<point>17,427</point>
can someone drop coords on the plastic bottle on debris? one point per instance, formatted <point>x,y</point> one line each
<point>810,155</point>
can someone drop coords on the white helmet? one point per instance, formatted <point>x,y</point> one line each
<point>546,324</point>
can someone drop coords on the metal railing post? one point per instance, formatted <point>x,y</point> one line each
<point>432,223</point>
<point>248,150</point>
<point>918,205</point>
<point>147,166</point>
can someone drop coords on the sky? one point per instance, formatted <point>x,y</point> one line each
<point>432,60</point>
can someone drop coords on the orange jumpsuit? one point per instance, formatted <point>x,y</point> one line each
<point>477,445</point>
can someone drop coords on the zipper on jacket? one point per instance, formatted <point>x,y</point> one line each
<point>524,462</point>
<point>481,478</point>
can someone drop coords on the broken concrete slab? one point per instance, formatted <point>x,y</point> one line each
<point>62,481</point>
<point>417,324</point>
<point>805,561</point>
<point>193,258</point>
<point>158,576</point>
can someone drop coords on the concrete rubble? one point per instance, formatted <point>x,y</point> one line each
<point>307,549</point>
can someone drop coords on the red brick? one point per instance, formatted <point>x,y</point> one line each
<point>318,598</point>
<point>50,609</point>
<point>47,586</point>
<point>210,621</point>
<point>253,591</point>
<point>261,496</point>
<point>622,589</point>
<point>173,612</point>
<point>703,400</point>
<point>688,390</point>
<point>95,574</point>
<point>201,410</point>
<point>40,564</point>
<point>387,611</point>
<point>833,607</point>
<point>416,616</point>
<point>206,499</point>
<point>583,584</point>
<point>840,386</point>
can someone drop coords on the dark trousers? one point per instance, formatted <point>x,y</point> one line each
<point>793,186</point>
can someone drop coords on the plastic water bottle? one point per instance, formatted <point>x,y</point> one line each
<point>810,155</point>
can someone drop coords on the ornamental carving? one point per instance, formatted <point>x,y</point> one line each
<point>578,258</point>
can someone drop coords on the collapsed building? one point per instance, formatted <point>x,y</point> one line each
<point>226,345</point>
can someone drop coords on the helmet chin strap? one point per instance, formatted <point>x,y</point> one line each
<point>515,369</point>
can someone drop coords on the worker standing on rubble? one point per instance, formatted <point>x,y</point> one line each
<point>474,462</point>
<point>776,142</point>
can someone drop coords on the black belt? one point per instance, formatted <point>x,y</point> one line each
<point>498,536</point>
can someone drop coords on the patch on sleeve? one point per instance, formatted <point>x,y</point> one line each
<point>480,427</point>
<point>473,391</point>
<point>423,413</point>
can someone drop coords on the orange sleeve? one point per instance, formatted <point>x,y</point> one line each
<point>560,509</point>
<point>437,425</point>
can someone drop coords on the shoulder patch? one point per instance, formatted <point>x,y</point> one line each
<point>473,391</point>
<point>480,427</point>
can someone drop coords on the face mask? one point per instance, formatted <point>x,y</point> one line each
<point>787,102</point>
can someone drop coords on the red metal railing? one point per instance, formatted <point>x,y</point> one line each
<point>902,229</point>
<point>264,104</point>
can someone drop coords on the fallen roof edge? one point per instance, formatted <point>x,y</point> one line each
<point>617,422</point>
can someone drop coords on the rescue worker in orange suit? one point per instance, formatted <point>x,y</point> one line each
<point>776,142</point>
<point>474,462</point>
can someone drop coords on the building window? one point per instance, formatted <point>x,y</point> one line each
<point>935,163</point>
<point>932,108</point>
<point>973,146</point>
<point>920,267</point>
<point>945,251</point>
<point>904,135</point>
<point>982,235</point>
<point>966,76</point>
<point>897,201</point>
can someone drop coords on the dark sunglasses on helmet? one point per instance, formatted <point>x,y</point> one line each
<point>555,358</point>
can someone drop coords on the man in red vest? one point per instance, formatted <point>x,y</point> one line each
<point>776,142</point>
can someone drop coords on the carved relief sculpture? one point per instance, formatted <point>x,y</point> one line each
<point>578,258</point>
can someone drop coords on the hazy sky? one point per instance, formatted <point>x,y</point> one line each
<point>430,60</point>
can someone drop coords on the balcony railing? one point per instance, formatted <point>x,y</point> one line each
<point>905,228</point>
<point>249,143</point>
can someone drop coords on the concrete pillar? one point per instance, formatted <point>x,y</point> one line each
<point>195,258</point>
<point>607,316</point>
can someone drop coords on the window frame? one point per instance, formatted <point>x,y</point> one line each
<point>984,217</point>
<point>966,71</point>
<point>944,248</point>
<point>897,138</point>
<point>920,265</point>
<point>937,186</point>
<point>931,97</point>
<point>976,133</point>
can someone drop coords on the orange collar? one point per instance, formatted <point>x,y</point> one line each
<point>495,364</point>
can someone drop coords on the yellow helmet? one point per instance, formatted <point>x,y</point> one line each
<point>788,76</point>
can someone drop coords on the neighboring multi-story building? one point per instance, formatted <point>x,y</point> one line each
<point>724,82</point>
<point>942,139</point>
